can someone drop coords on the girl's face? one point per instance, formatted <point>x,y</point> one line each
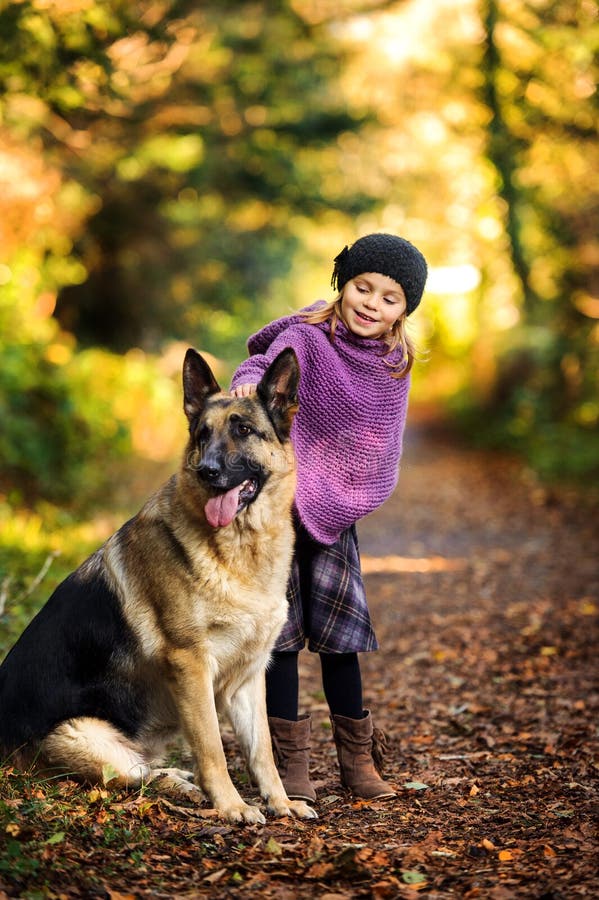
<point>371,304</point>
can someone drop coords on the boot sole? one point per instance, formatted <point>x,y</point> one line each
<point>380,797</point>
<point>387,795</point>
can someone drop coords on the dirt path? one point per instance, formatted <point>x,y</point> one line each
<point>484,591</point>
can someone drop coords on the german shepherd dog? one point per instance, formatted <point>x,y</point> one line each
<point>171,622</point>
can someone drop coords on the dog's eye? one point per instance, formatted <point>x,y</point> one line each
<point>239,427</point>
<point>203,434</point>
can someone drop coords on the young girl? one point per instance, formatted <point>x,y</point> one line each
<point>355,359</point>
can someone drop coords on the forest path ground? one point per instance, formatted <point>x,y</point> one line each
<point>484,592</point>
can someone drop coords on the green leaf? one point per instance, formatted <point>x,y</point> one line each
<point>56,838</point>
<point>413,877</point>
<point>273,847</point>
<point>416,786</point>
<point>108,773</point>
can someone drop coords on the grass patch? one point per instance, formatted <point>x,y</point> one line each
<point>38,549</point>
<point>57,833</point>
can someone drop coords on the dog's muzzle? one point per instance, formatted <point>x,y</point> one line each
<point>236,485</point>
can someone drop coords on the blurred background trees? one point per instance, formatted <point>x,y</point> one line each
<point>182,172</point>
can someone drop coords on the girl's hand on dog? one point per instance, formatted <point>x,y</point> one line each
<point>244,390</point>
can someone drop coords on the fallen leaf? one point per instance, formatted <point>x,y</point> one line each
<point>215,876</point>
<point>380,859</point>
<point>384,889</point>
<point>273,847</point>
<point>319,870</point>
<point>422,739</point>
<point>109,773</point>
<point>56,838</point>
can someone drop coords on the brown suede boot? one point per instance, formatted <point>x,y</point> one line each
<point>291,749</point>
<point>360,749</point>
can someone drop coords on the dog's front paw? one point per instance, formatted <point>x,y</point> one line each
<point>302,810</point>
<point>242,813</point>
<point>293,808</point>
<point>176,782</point>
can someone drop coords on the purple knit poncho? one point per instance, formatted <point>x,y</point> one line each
<point>348,431</point>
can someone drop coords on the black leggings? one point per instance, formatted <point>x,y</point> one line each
<point>341,682</point>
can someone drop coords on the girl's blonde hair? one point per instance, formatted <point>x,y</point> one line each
<point>396,338</point>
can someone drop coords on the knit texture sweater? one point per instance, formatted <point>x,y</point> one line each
<point>348,431</point>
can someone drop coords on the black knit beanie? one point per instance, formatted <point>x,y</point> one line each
<point>388,255</point>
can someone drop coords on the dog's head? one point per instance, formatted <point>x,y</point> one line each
<point>236,444</point>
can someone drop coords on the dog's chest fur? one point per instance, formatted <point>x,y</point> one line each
<point>228,599</point>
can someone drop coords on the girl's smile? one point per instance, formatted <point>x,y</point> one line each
<point>371,304</point>
<point>364,317</point>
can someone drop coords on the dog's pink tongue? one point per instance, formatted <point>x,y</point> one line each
<point>221,510</point>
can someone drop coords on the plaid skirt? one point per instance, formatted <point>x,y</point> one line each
<point>326,596</point>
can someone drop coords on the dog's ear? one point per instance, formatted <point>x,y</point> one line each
<point>198,384</point>
<point>278,391</point>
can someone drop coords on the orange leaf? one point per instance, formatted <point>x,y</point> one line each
<point>505,856</point>
<point>383,889</point>
<point>422,739</point>
<point>320,870</point>
<point>380,859</point>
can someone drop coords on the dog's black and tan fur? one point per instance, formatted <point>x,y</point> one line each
<point>171,622</point>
